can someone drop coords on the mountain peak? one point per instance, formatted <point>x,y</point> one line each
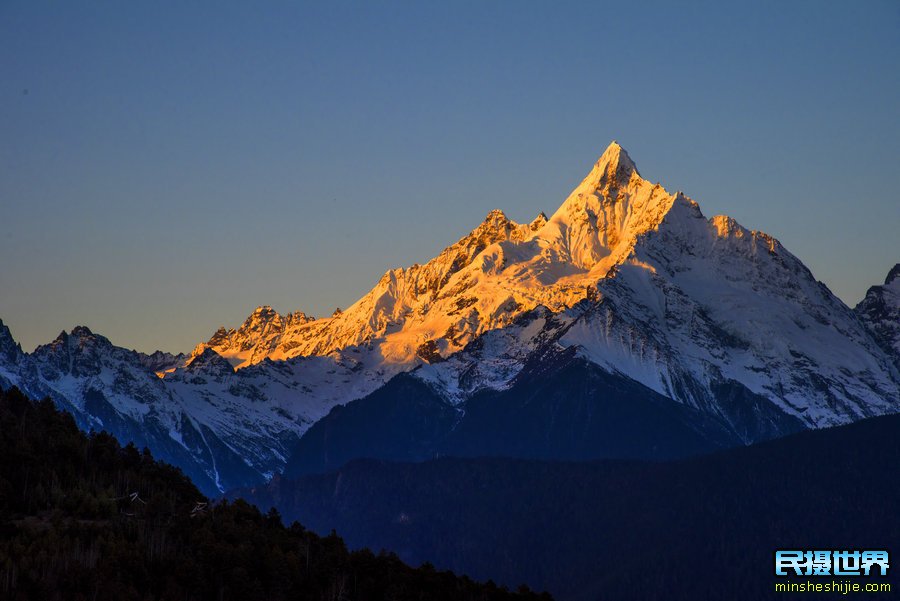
<point>263,313</point>
<point>495,220</point>
<point>615,161</point>
<point>264,321</point>
<point>77,333</point>
<point>612,171</point>
<point>81,331</point>
<point>603,216</point>
<point>209,361</point>
<point>892,275</point>
<point>880,311</point>
<point>9,348</point>
<point>220,337</point>
<point>538,222</point>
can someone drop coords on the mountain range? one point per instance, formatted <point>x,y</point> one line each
<point>626,325</point>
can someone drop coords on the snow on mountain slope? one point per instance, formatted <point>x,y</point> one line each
<point>880,311</point>
<point>701,304</point>
<point>260,411</point>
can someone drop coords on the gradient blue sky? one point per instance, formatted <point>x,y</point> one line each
<point>165,168</point>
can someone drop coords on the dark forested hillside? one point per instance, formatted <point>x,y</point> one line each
<point>82,517</point>
<point>699,528</point>
<point>560,407</point>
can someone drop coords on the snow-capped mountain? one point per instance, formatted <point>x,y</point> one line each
<point>880,311</point>
<point>681,303</point>
<point>637,281</point>
<point>688,305</point>
<point>625,277</point>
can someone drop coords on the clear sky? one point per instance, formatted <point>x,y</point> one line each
<point>165,168</point>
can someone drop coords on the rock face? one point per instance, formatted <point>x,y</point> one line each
<point>625,278</point>
<point>259,337</point>
<point>880,311</point>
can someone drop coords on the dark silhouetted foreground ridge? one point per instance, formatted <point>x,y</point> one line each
<point>82,517</point>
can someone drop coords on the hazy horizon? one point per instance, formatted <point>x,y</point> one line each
<point>166,169</point>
